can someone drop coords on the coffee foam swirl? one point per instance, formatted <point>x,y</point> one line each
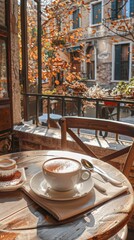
<point>61,166</point>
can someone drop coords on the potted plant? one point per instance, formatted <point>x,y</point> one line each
<point>119,91</point>
<point>130,89</point>
<point>124,89</point>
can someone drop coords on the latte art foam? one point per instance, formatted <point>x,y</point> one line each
<point>61,166</point>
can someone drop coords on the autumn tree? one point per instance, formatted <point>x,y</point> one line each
<point>58,39</point>
<point>118,20</point>
<point>62,38</point>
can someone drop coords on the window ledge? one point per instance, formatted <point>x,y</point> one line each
<point>95,25</point>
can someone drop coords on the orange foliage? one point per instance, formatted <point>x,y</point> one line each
<point>56,38</point>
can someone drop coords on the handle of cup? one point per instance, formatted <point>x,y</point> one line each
<point>85,175</point>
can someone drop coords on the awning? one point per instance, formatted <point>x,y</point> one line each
<point>73,49</point>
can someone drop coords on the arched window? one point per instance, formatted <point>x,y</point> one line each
<point>75,61</point>
<point>90,65</point>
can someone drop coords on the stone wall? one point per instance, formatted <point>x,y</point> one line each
<point>104,73</point>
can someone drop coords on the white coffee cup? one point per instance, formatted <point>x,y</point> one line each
<point>62,174</point>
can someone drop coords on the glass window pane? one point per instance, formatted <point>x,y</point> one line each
<point>3,70</point>
<point>131,8</point>
<point>91,64</point>
<point>122,62</point>
<point>122,9</point>
<point>114,10</point>
<point>127,9</point>
<point>125,62</point>
<point>76,19</point>
<point>96,13</point>
<point>2,13</point>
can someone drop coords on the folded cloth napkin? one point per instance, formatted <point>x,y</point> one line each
<point>62,210</point>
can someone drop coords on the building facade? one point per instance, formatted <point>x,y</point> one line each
<point>107,38</point>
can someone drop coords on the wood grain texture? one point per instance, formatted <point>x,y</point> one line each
<point>5,117</point>
<point>23,219</point>
<point>69,124</point>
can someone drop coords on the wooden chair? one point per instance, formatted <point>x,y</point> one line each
<point>70,123</point>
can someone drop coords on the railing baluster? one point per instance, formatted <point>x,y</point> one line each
<point>118,111</point>
<point>63,106</point>
<point>48,111</point>
<point>118,118</point>
<point>37,110</point>
<point>79,106</point>
<point>78,100</point>
<point>97,108</point>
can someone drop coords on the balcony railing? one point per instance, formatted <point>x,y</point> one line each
<point>79,106</point>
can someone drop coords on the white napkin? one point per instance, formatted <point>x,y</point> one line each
<point>62,210</point>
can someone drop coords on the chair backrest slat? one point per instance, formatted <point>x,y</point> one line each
<point>100,124</point>
<point>116,154</point>
<point>82,145</point>
<point>68,123</point>
<point>129,161</point>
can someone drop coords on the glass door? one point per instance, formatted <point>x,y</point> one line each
<point>3,70</point>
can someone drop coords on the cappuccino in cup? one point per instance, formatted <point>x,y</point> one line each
<point>61,166</point>
<point>62,174</point>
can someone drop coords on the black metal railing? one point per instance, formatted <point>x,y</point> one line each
<point>77,105</point>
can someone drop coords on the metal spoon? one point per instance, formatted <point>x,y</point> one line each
<point>93,168</point>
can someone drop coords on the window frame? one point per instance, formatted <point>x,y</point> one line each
<point>28,114</point>
<point>95,66</point>
<point>116,18</point>
<point>113,60</point>
<point>91,13</point>
<point>5,36</point>
<point>71,19</point>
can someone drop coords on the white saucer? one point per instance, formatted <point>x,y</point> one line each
<point>14,184</point>
<point>39,186</point>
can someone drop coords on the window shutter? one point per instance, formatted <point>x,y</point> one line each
<point>76,19</point>
<point>117,62</point>
<point>125,62</point>
<point>114,9</point>
<point>131,8</point>
<point>96,13</point>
